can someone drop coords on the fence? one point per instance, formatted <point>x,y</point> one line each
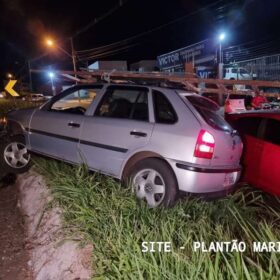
<point>266,68</point>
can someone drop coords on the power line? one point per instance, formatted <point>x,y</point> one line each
<point>114,47</point>
<point>100,18</point>
<point>91,52</point>
<point>251,53</point>
<point>103,54</point>
<point>110,53</point>
<point>124,41</point>
<point>265,45</point>
<point>85,28</point>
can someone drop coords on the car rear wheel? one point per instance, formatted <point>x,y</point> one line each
<point>15,157</point>
<point>154,182</point>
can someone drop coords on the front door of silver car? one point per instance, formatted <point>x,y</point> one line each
<point>56,127</point>
<point>120,125</point>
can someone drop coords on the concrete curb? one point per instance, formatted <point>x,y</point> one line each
<point>52,256</point>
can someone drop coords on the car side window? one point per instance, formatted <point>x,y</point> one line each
<point>124,103</point>
<point>272,131</point>
<point>249,126</point>
<point>76,102</point>
<point>164,112</point>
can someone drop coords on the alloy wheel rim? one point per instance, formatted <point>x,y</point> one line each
<point>149,185</point>
<point>16,155</point>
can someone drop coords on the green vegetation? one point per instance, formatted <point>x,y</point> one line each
<point>109,216</point>
<point>9,104</point>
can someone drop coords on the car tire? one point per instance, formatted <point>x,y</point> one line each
<point>14,157</point>
<point>153,181</point>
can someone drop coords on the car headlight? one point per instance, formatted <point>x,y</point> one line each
<point>3,122</point>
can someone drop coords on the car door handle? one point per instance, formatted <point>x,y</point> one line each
<point>138,133</point>
<point>72,124</point>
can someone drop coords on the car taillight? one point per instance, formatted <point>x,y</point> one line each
<point>205,145</point>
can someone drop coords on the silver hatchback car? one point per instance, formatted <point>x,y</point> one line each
<point>162,140</point>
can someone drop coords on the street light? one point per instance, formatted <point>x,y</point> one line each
<point>222,37</point>
<point>51,75</point>
<point>51,43</point>
<point>10,76</point>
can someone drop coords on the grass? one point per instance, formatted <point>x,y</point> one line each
<point>9,104</point>
<point>107,215</point>
<point>116,224</point>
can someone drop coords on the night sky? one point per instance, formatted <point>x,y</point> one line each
<point>25,23</point>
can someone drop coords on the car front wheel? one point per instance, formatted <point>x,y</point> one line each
<point>15,157</point>
<point>154,182</point>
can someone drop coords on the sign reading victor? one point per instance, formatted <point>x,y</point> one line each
<point>9,88</point>
<point>179,57</point>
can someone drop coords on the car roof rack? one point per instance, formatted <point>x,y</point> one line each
<point>188,81</point>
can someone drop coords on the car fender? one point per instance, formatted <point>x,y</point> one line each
<point>15,128</point>
<point>138,156</point>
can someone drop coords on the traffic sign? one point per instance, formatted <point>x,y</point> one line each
<point>9,88</point>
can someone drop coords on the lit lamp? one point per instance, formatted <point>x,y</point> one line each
<point>51,75</point>
<point>49,42</point>
<point>222,37</point>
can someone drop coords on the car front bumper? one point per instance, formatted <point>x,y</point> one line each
<point>204,179</point>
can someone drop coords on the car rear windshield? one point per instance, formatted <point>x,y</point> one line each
<point>209,110</point>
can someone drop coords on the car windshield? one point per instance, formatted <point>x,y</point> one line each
<point>209,111</point>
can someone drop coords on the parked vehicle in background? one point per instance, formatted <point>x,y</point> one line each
<point>47,97</point>
<point>238,73</point>
<point>235,103</point>
<point>35,97</point>
<point>161,140</point>
<point>260,131</point>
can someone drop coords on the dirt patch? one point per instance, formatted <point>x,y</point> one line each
<point>13,255</point>
<point>53,255</point>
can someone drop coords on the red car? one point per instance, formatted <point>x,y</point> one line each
<point>260,131</point>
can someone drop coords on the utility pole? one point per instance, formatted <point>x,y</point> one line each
<point>73,57</point>
<point>220,67</point>
<point>221,53</point>
<point>53,87</point>
<point>30,77</point>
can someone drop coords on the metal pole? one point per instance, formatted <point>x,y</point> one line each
<point>220,65</point>
<point>220,60</point>
<point>193,58</point>
<point>30,77</point>
<point>53,88</point>
<point>73,57</point>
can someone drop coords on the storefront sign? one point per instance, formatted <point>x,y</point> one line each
<point>187,54</point>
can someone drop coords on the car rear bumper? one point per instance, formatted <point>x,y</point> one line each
<point>208,196</point>
<point>207,169</point>
<point>204,179</point>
